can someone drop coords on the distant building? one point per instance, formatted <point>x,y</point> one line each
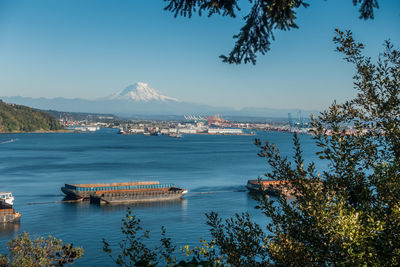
<point>173,130</point>
<point>187,131</point>
<point>164,131</point>
<point>137,130</point>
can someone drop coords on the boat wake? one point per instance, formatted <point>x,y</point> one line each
<point>65,200</point>
<point>218,189</point>
<point>9,141</point>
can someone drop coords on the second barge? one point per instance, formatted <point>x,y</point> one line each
<point>272,188</point>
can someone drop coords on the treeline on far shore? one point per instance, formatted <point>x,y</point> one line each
<point>18,118</point>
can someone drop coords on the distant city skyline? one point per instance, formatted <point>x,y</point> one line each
<point>95,48</point>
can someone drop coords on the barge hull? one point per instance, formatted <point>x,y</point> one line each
<point>73,194</point>
<point>4,205</point>
<point>133,197</point>
<point>85,191</point>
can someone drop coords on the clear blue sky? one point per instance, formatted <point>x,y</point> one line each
<point>93,48</point>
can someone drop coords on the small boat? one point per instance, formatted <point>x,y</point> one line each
<point>175,135</point>
<point>272,188</point>
<point>123,192</point>
<point>7,212</point>
<point>156,133</point>
<point>121,131</point>
<point>86,128</point>
<point>9,141</point>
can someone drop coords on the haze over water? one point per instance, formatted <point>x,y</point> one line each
<point>214,169</point>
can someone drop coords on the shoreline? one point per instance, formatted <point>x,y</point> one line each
<point>39,131</point>
<point>242,134</point>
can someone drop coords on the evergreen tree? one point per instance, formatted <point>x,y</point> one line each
<point>265,17</point>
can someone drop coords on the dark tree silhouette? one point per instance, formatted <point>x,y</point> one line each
<point>264,18</point>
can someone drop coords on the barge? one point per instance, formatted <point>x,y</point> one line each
<point>7,212</point>
<point>123,192</point>
<point>272,188</point>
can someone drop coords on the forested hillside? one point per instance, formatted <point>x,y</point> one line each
<point>17,118</point>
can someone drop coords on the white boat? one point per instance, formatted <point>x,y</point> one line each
<point>6,200</point>
<point>86,128</point>
<point>7,213</point>
<point>92,128</point>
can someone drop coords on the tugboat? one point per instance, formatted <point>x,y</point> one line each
<point>157,133</point>
<point>7,212</point>
<point>6,200</point>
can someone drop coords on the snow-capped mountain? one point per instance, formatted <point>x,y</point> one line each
<point>140,99</point>
<point>141,92</point>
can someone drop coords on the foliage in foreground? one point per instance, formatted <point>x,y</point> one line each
<point>346,215</point>
<point>350,213</point>
<point>23,251</point>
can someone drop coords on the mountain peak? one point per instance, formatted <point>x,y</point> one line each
<point>141,91</point>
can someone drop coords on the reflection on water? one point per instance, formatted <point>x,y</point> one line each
<point>217,189</point>
<point>144,205</point>
<point>86,205</point>
<point>71,199</point>
<point>8,230</point>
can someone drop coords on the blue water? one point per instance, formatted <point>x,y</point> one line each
<point>214,169</point>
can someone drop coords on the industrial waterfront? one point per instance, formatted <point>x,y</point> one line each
<point>183,125</point>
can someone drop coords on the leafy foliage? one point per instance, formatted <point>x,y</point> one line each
<point>18,118</point>
<point>238,240</point>
<point>235,243</point>
<point>39,252</point>
<point>349,214</point>
<point>134,251</point>
<point>264,18</point>
<point>346,215</point>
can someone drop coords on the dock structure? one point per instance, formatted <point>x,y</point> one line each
<point>9,216</point>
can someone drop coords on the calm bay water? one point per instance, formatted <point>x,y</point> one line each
<point>214,169</point>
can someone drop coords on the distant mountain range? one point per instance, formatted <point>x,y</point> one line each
<point>141,99</point>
